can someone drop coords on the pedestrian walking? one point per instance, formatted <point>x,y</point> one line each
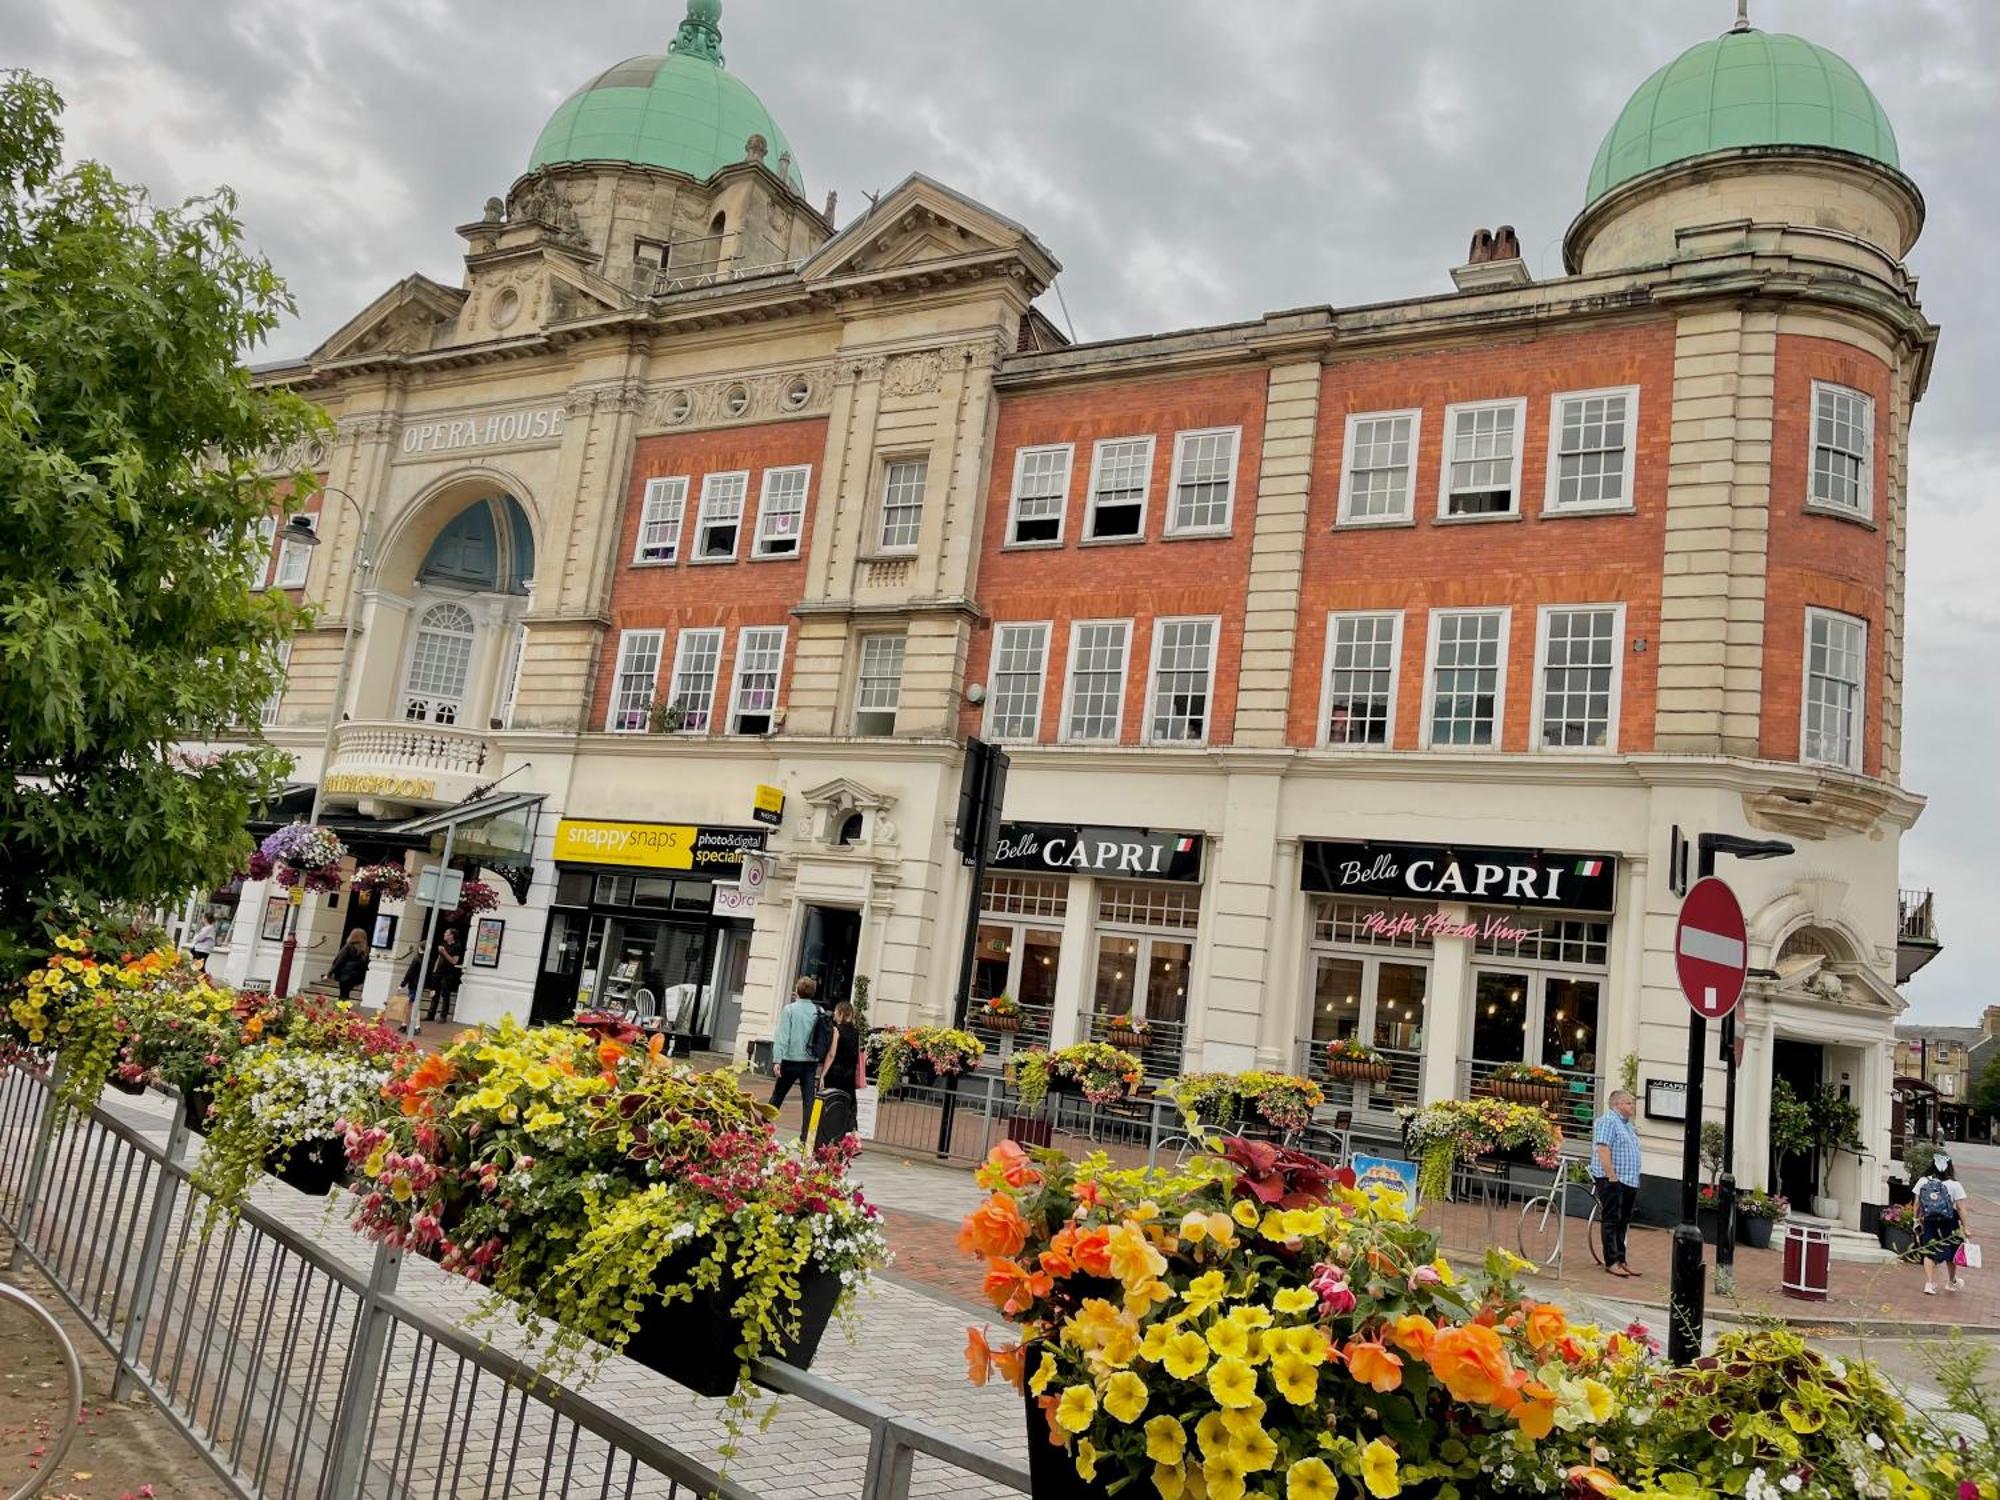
<point>1941,1224</point>
<point>350,965</point>
<point>843,1058</point>
<point>447,968</point>
<point>1614,1173</point>
<point>203,942</point>
<point>792,1049</point>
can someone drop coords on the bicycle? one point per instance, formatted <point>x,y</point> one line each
<point>58,1442</point>
<point>1542,1235</point>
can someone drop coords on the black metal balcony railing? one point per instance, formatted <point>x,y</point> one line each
<point>1915,922</point>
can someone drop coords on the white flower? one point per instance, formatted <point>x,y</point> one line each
<point>1791,1484</point>
<point>1875,1441</point>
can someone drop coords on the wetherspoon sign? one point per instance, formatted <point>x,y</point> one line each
<point>1440,872</point>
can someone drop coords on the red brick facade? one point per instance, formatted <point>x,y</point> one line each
<point>686,595</point>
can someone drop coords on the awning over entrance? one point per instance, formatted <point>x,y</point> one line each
<point>295,802</point>
<point>499,827</point>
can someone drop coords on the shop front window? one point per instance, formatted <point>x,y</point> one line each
<point>1145,952</point>
<point>1539,984</point>
<point>1371,975</point>
<point>1019,954</point>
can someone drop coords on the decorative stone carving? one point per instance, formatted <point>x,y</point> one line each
<point>892,574</point>
<point>299,455</point>
<point>542,202</point>
<point>611,396</point>
<point>367,427</point>
<point>914,374</point>
<point>759,398</point>
<point>756,148</point>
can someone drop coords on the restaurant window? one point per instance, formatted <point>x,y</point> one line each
<point>1119,471</point>
<point>1041,484</point>
<point>1145,950</point>
<point>1538,993</point>
<point>721,516</point>
<point>1371,983</point>
<point>660,521</point>
<point>1019,951</point>
<point>781,510</point>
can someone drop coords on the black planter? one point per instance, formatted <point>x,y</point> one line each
<point>195,1105</point>
<point>1754,1230</point>
<point>1052,1471</point>
<point>1710,1220</point>
<point>125,1086</point>
<point>919,1073</point>
<point>1030,1130</point>
<point>694,1343</point>
<point>313,1167</point>
<point>1900,1240</point>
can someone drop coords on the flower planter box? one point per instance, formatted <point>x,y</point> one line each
<point>1353,1070</point>
<point>314,1168</point>
<point>195,1105</point>
<point>1518,1091</point>
<point>1030,1130</point>
<point>1710,1220</point>
<point>1124,1040</point>
<point>1052,1471</point>
<point>1754,1230</point>
<point>1901,1241</point>
<point>1512,1156</point>
<point>125,1085</point>
<point>919,1072</point>
<point>694,1343</point>
<point>1003,1024</point>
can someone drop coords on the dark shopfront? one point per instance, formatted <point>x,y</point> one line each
<point>633,927</point>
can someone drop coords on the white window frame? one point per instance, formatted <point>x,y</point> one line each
<point>1519,406</point>
<point>1021,457</point>
<point>1076,629</point>
<point>406,688</point>
<point>282,575</point>
<point>1214,623</point>
<point>1345,516</point>
<point>1096,472</point>
<point>682,650</point>
<point>1866,510</point>
<point>861,676</point>
<point>883,546</point>
<point>1324,736</point>
<point>1552,484</point>
<point>760,545</point>
<point>1858,750</point>
<point>626,640</point>
<point>268,710</point>
<point>703,520</point>
<point>1431,640</point>
<point>736,680</point>
<point>660,493</point>
<point>1048,632</point>
<point>267,534</point>
<point>1215,528</point>
<point>1539,704</point>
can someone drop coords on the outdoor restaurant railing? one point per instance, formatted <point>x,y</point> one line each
<point>1372,1102</point>
<point>297,1368</point>
<point>1575,1113</point>
<point>1162,1053</point>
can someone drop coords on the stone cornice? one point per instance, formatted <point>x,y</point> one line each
<point>838,609</point>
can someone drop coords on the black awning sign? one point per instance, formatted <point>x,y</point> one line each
<point>1438,872</point>
<point>1093,849</point>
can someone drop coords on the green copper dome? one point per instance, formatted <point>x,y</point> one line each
<point>680,111</point>
<point>1744,88</point>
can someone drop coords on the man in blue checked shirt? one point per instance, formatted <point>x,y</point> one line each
<point>1614,1170</point>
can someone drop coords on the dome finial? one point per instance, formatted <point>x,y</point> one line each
<point>1742,16</point>
<point>701,33</point>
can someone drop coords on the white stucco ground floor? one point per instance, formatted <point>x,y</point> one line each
<point>1454,912</point>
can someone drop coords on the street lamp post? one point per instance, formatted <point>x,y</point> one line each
<point>298,532</point>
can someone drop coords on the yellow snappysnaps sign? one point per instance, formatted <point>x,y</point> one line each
<point>648,846</point>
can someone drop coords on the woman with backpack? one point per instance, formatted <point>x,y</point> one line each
<point>1941,1226</point>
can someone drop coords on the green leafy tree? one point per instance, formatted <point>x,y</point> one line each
<point>1986,1092</point>
<point>132,441</point>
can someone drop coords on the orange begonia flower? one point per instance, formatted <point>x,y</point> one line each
<point>978,1355</point>
<point>1008,1165</point>
<point>1011,1363</point>
<point>1371,1364</point>
<point>1013,1288</point>
<point>1474,1368</point>
<point>1544,1325</point>
<point>1414,1334</point>
<point>1537,1414</point>
<point>1588,1480</point>
<point>657,1045</point>
<point>995,1228</point>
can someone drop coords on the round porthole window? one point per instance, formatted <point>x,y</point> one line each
<point>737,401</point>
<point>680,405</point>
<point>506,307</point>
<point>797,393</point>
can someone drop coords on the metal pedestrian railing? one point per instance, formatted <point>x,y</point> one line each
<point>292,1363</point>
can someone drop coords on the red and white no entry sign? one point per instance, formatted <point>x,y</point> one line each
<point>1711,948</point>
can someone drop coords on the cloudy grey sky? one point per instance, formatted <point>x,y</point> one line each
<point>1187,162</point>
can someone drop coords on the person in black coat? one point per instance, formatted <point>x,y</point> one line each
<point>447,968</point>
<point>350,965</point>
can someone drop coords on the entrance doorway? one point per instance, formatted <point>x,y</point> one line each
<point>827,950</point>
<point>1803,1066</point>
<point>562,967</point>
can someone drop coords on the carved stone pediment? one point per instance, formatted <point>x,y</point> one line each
<point>836,803</point>
<point>920,222</point>
<point>410,317</point>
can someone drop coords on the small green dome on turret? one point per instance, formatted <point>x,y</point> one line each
<point>679,110</point>
<point>1743,88</point>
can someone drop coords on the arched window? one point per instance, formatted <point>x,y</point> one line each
<point>851,829</point>
<point>439,664</point>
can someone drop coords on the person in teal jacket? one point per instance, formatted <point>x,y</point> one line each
<point>792,1051</point>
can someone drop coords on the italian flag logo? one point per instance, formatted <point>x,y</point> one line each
<point>1590,867</point>
<point>1184,846</point>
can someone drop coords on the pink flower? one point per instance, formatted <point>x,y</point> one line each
<point>1425,1276</point>
<point>1329,1282</point>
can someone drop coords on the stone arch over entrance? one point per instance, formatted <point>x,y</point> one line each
<point>416,529</point>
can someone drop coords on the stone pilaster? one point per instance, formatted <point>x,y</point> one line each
<point>1277,554</point>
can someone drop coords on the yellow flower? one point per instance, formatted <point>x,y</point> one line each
<point>1167,1480</point>
<point>1077,1407</point>
<point>1154,1345</point>
<point>1600,1399</point>
<point>1296,1378</point>
<point>1309,1479</point>
<point>1445,1273</point>
<point>1245,1213</point>
<point>1203,1293</point>
<point>373,1166</point>
<point>1378,1470</point>
<point>1147,1295</point>
<point>1294,1300</point>
<point>1166,1440</point>
<point>1305,1223</point>
<point>1229,1339</point>
<point>1133,1259</point>
<point>400,1190</point>
<point>1125,1396</point>
<point>1232,1383</point>
<point>1086,1461</point>
<point>1257,1451</point>
<point>1187,1355</point>
<point>1239,1422</point>
<point>1044,1373</point>
<point>543,1119</point>
<point>1194,1226</point>
<point>1224,1477</point>
<point>1210,1435</point>
<point>1250,1315</point>
<point>1221,1231</point>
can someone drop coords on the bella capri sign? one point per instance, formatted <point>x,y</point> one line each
<point>1437,872</point>
<point>1087,849</point>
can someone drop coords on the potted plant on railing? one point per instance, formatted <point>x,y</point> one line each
<point>1099,1072</point>
<point>1451,1131</point>
<point>1756,1212</point>
<point>390,882</point>
<point>282,1109</point>
<point>1126,1031</point>
<point>1352,1060</point>
<point>1184,1332</point>
<point>1527,1083</point>
<point>1001,1013</point>
<point>1222,1101</point>
<point>631,1201</point>
<point>921,1055</point>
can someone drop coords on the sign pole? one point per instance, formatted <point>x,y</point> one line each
<point>430,926</point>
<point>984,780</point>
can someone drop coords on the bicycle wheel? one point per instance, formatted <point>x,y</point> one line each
<point>1541,1230</point>
<point>1591,1237</point>
<point>47,1345</point>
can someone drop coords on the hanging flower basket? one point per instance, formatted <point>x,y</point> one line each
<point>1127,1034</point>
<point>475,896</point>
<point>1528,1083</point>
<point>389,881</point>
<point>1353,1061</point>
<point>1002,1013</point>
